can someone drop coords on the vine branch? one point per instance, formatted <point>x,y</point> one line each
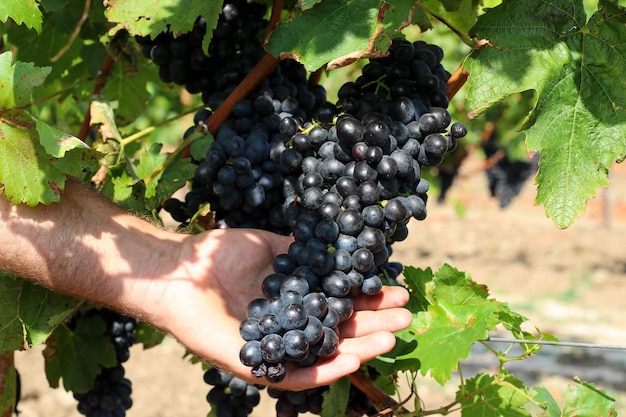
<point>465,38</point>
<point>381,399</point>
<point>245,87</point>
<point>74,34</point>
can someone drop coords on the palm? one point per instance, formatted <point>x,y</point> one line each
<point>237,261</point>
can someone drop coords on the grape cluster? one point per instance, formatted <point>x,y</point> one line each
<point>358,184</point>
<point>233,51</point>
<point>343,179</point>
<point>292,403</point>
<point>231,396</point>
<point>244,187</point>
<point>110,395</point>
<point>506,177</point>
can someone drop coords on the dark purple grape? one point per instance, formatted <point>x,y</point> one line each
<point>293,316</point>
<point>272,348</point>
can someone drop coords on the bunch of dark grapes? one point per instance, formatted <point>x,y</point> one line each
<point>358,184</point>
<point>238,178</point>
<point>233,51</point>
<point>506,177</point>
<point>231,396</point>
<point>110,394</point>
<point>292,403</point>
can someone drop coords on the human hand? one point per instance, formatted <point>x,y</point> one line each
<point>221,271</point>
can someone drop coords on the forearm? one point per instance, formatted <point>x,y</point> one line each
<point>85,246</point>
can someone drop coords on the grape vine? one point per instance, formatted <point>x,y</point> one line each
<point>266,147</point>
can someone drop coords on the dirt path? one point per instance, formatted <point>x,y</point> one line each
<point>569,282</point>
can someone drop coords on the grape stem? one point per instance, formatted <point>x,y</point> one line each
<point>74,34</point>
<point>456,81</point>
<point>277,7</point>
<point>465,38</point>
<point>381,400</point>
<point>245,87</point>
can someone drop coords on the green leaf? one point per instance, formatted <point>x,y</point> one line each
<point>151,18</point>
<point>321,34</point>
<point>547,403</point>
<point>76,356</point>
<point>396,16</point>
<point>336,398</point>
<point>123,188</point>
<point>150,157</point>
<point>582,399</point>
<point>445,335</point>
<point>22,12</point>
<point>200,147</point>
<point>127,87</point>
<point>55,142</point>
<point>27,172</point>
<point>488,396</point>
<point>401,357</point>
<point>148,335</point>
<point>28,175</point>
<point>174,177</point>
<point>576,66</point>
<point>17,81</point>
<point>461,14</point>
<point>307,4</point>
<point>416,280</point>
<point>103,116</point>
<point>457,287</point>
<point>29,313</point>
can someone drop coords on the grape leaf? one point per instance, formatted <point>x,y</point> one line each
<point>488,396</point>
<point>450,313</point>
<point>401,357</point>
<point>307,4</point>
<point>123,188</point>
<point>148,335</point>
<point>23,11</point>
<point>582,399</point>
<point>151,18</point>
<point>127,86</point>
<point>577,68</point>
<point>336,398</point>
<point>547,402</point>
<point>28,173</point>
<point>172,178</point>
<point>321,34</point>
<point>29,313</point>
<point>446,333</point>
<point>76,356</point>
<point>55,142</point>
<point>417,280</point>
<point>7,384</point>
<point>396,16</point>
<point>461,14</point>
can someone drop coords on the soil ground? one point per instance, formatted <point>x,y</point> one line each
<point>570,282</point>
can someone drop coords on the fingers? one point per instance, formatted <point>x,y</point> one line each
<point>365,322</point>
<point>352,352</point>
<point>388,297</point>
